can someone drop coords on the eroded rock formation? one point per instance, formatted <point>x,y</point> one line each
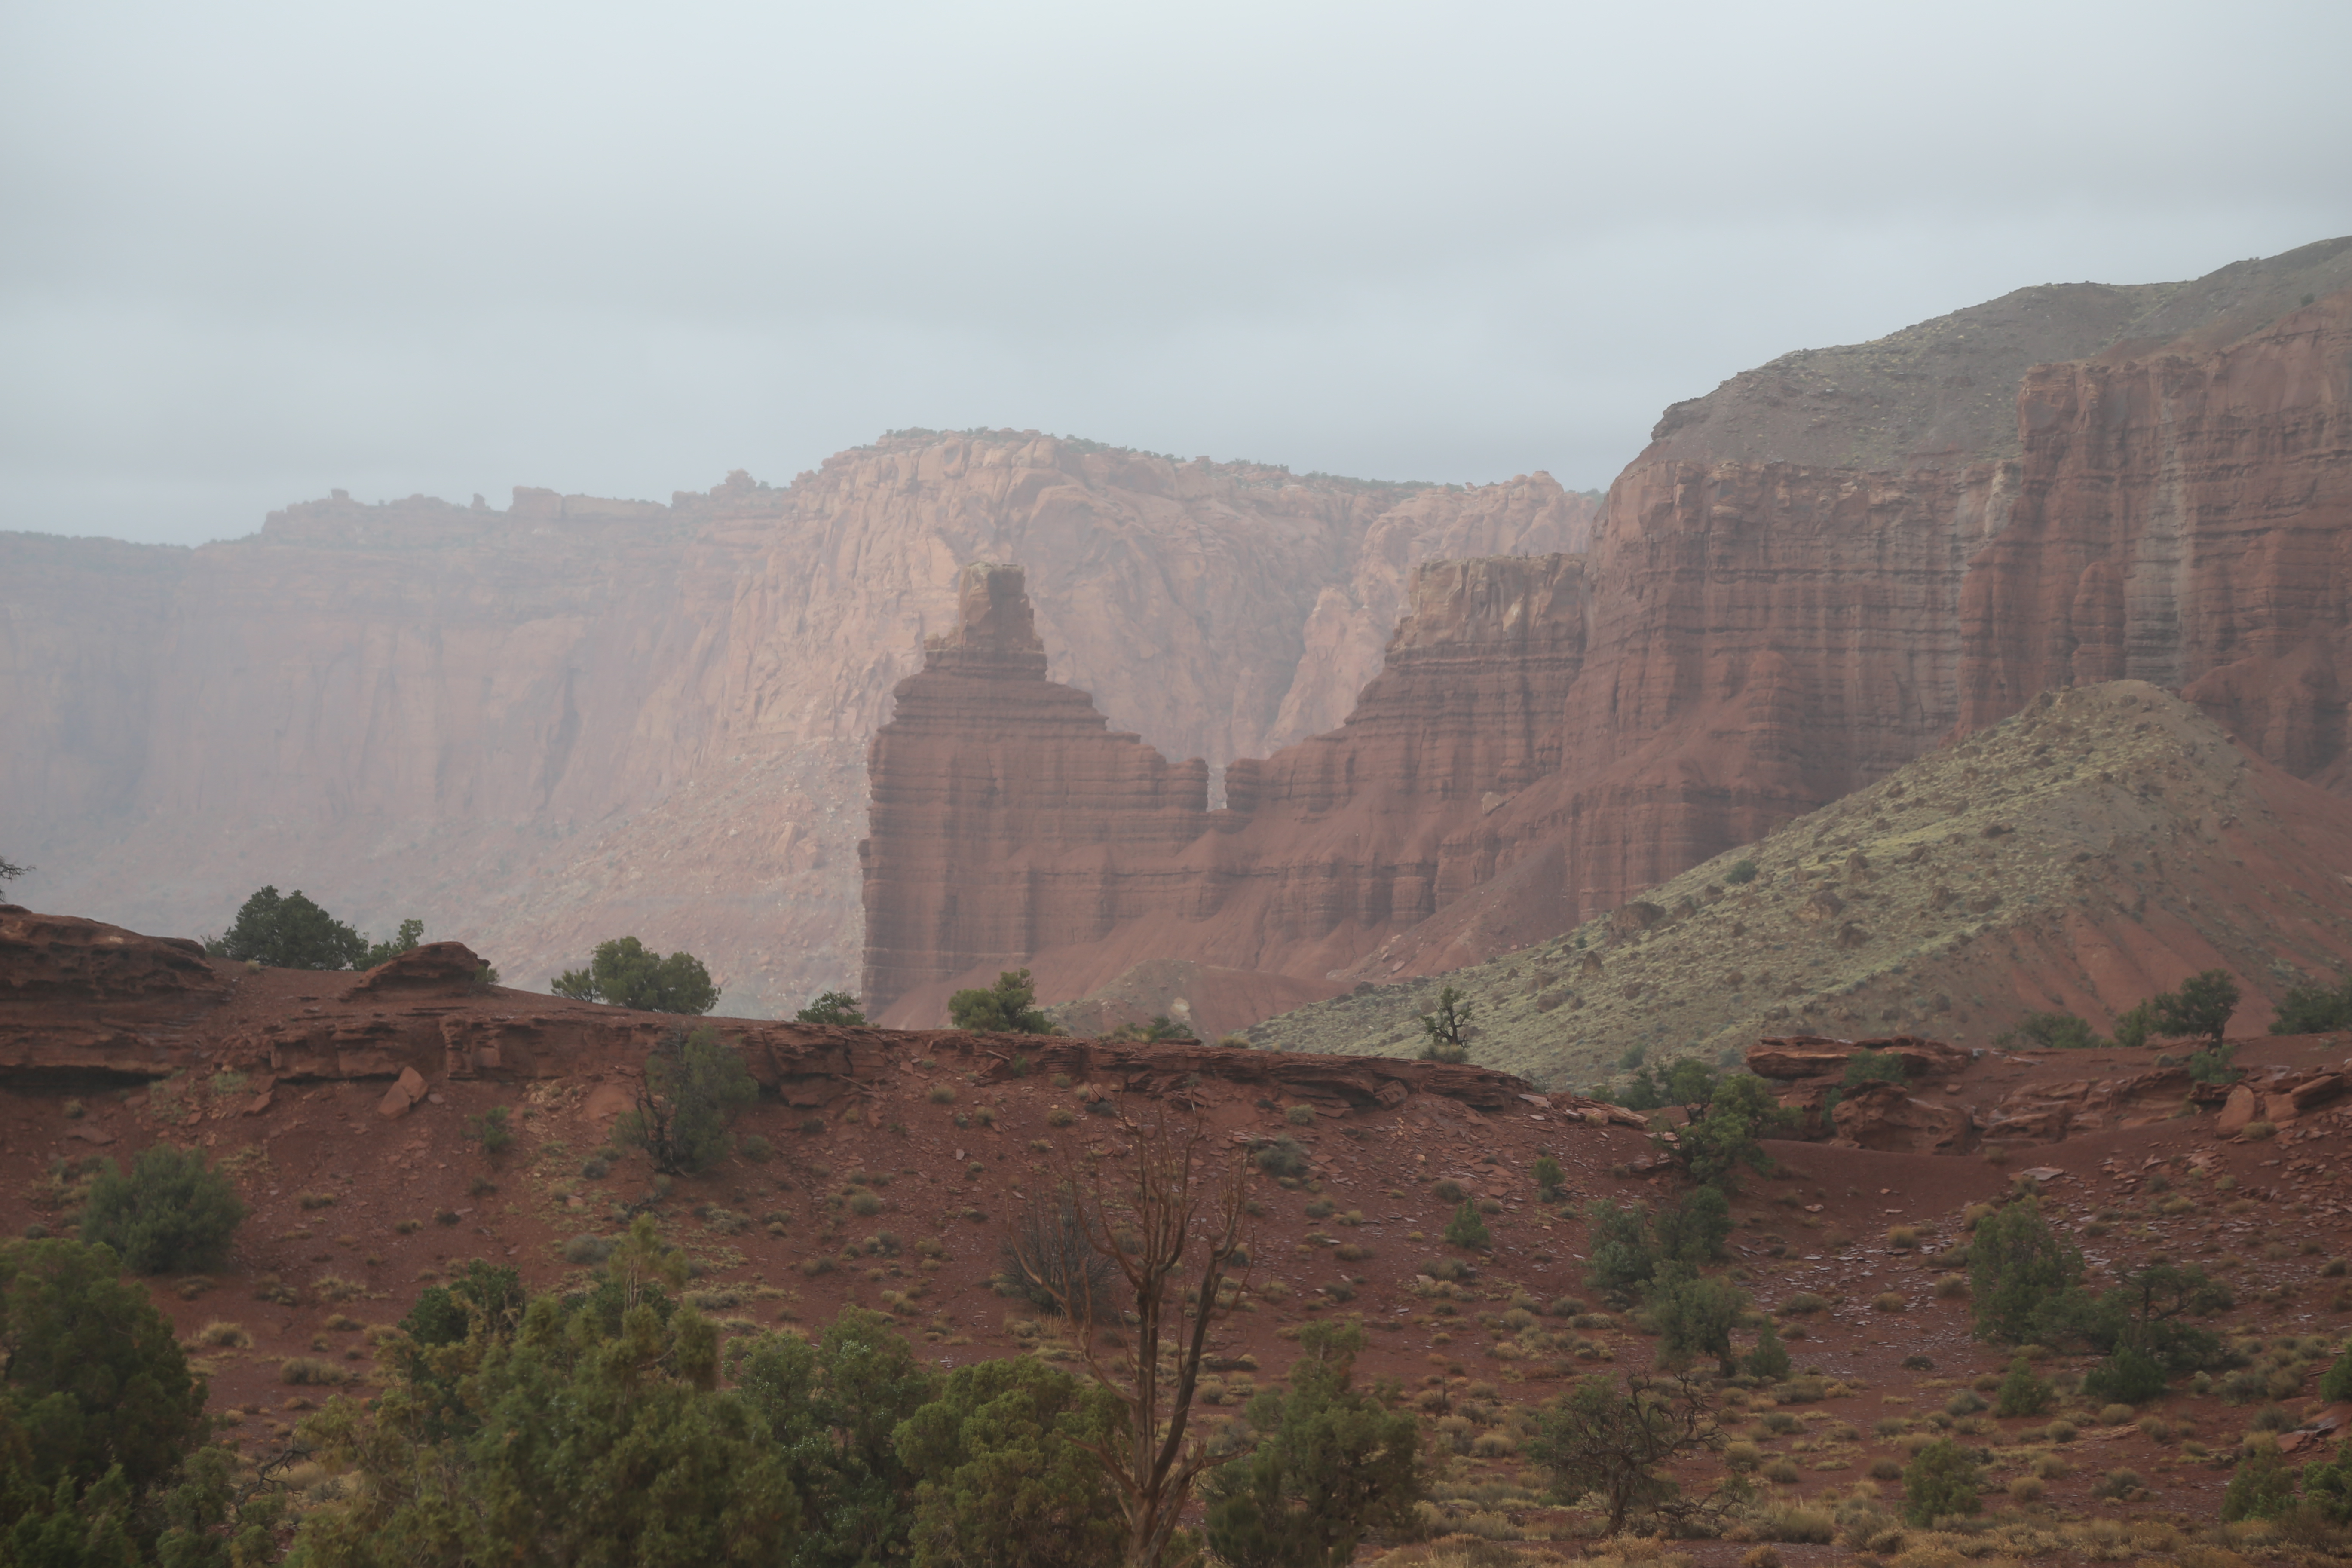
<point>540,727</point>
<point>1009,826</point>
<point>81,1001</point>
<point>1815,575</point>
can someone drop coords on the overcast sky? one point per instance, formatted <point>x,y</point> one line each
<point>249,251</point>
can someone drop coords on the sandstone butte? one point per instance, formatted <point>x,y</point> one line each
<point>540,727</point>
<point>1827,567</point>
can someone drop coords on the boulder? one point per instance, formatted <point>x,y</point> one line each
<point>1814,1056</point>
<point>433,967</point>
<point>1880,1116</point>
<point>2237,1112</point>
<point>2317,1092</point>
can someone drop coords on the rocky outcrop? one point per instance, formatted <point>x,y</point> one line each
<point>88,998</point>
<point>80,1000</point>
<point>2047,1112</point>
<point>1009,826</point>
<point>1884,1116</point>
<point>540,727</point>
<point>1816,1056</point>
<point>983,783</point>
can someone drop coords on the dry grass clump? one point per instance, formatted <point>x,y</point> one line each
<point>303,1370</point>
<point>1952,1287</point>
<point>223,1335</point>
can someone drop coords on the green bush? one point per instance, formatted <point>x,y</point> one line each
<point>1283,1156</point>
<point>491,1132</point>
<point>1692,1229</point>
<point>2327,1485</point>
<point>1769,1358</point>
<point>92,1379</point>
<point>1008,1007</point>
<point>1739,1110</point>
<point>289,933</point>
<point>173,1214</point>
<point>831,1007</point>
<point>1694,1316</point>
<point>1332,1465</point>
<point>2201,1006</point>
<point>1940,1482</point>
<point>624,973</point>
<point>2315,1010</point>
<point>693,1086</point>
<point>405,940</point>
<point>2053,1032</point>
<point>1617,1439</point>
<point>2129,1376</point>
<point>1620,1257</point>
<point>2021,1393</point>
<point>2336,1383</point>
<point>2015,1264</point>
<point>1548,1177</point>
<point>2262,1487</point>
<point>1742,872</point>
<point>1000,1472</point>
<point>1465,1230</point>
<point>1874,1066</point>
<point>2135,1025</point>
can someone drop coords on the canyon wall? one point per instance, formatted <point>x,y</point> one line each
<point>1009,826</point>
<point>545,725</point>
<point>1822,570</point>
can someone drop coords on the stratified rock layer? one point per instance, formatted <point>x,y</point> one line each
<point>2080,856</point>
<point>1009,826</point>
<point>80,1000</point>
<point>1814,575</point>
<point>542,727</point>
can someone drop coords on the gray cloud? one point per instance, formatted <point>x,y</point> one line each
<point>252,251</point>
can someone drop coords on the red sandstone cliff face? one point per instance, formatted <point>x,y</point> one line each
<point>541,727</point>
<point>1773,628</point>
<point>1811,576</point>
<point>1009,826</point>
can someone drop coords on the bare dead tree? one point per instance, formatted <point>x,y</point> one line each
<point>1172,1210</point>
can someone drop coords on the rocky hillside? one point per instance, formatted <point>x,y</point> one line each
<point>543,726</point>
<point>888,1170</point>
<point>2094,849</point>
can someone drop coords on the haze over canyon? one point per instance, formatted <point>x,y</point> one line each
<point>1431,723</point>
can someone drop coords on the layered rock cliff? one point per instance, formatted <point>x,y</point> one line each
<point>2081,855</point>
<point>1818,572</point>
<point>1009,826</point>
<point>1834,563</point>
<point>538,727</point>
